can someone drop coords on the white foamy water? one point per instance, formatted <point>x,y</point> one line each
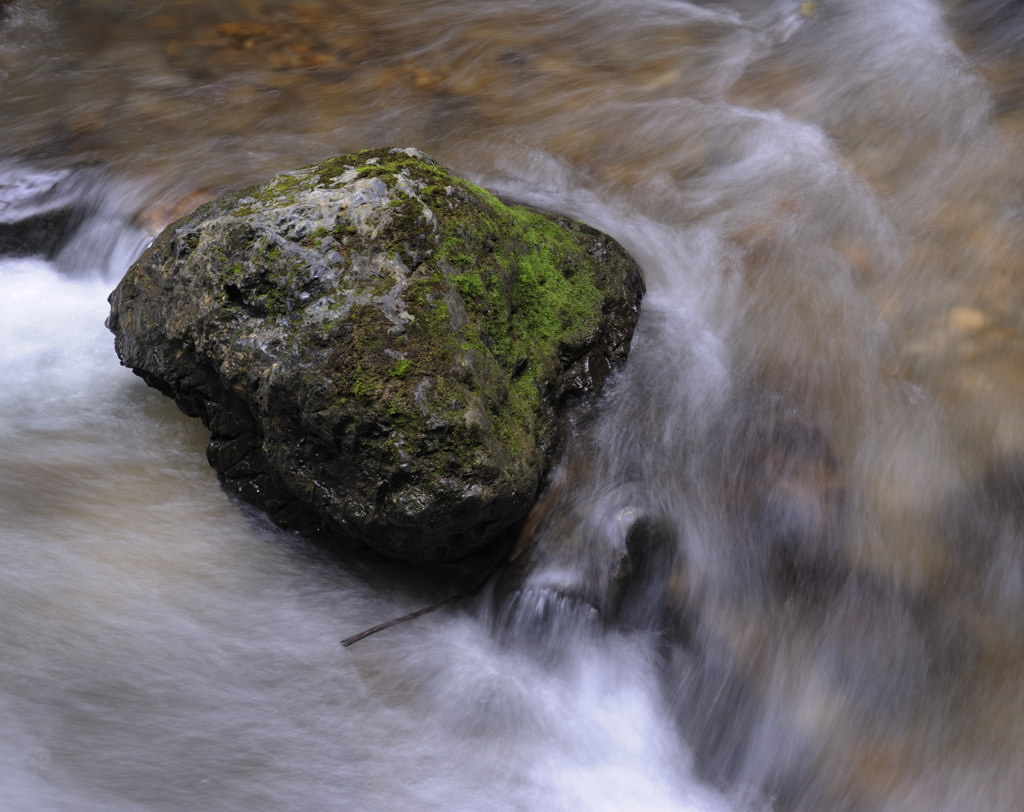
<point>164,651</point>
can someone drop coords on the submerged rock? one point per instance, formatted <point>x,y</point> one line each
<point>40,210</point>
<point>380,349</point>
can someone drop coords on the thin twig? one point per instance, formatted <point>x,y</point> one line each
<point>355,638</point>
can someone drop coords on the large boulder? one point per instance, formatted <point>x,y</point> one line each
<point>381,350</point>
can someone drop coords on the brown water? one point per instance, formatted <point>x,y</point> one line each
<point>825,198</point>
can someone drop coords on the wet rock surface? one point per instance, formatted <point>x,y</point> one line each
<point>380,349</point>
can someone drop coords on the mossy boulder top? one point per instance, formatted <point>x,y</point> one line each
<point>380,349</point>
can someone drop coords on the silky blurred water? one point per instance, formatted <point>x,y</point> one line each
<point>825,200</point>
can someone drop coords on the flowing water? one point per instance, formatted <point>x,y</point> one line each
<point>820,431</point>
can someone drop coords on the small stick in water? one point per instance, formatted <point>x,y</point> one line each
<point>355,638</point>
<point>387,624</point>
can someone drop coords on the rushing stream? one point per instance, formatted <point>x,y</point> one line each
<point>821,422</point>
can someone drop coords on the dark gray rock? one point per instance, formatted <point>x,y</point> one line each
<point>40,210</point>
<point>380,349</point>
